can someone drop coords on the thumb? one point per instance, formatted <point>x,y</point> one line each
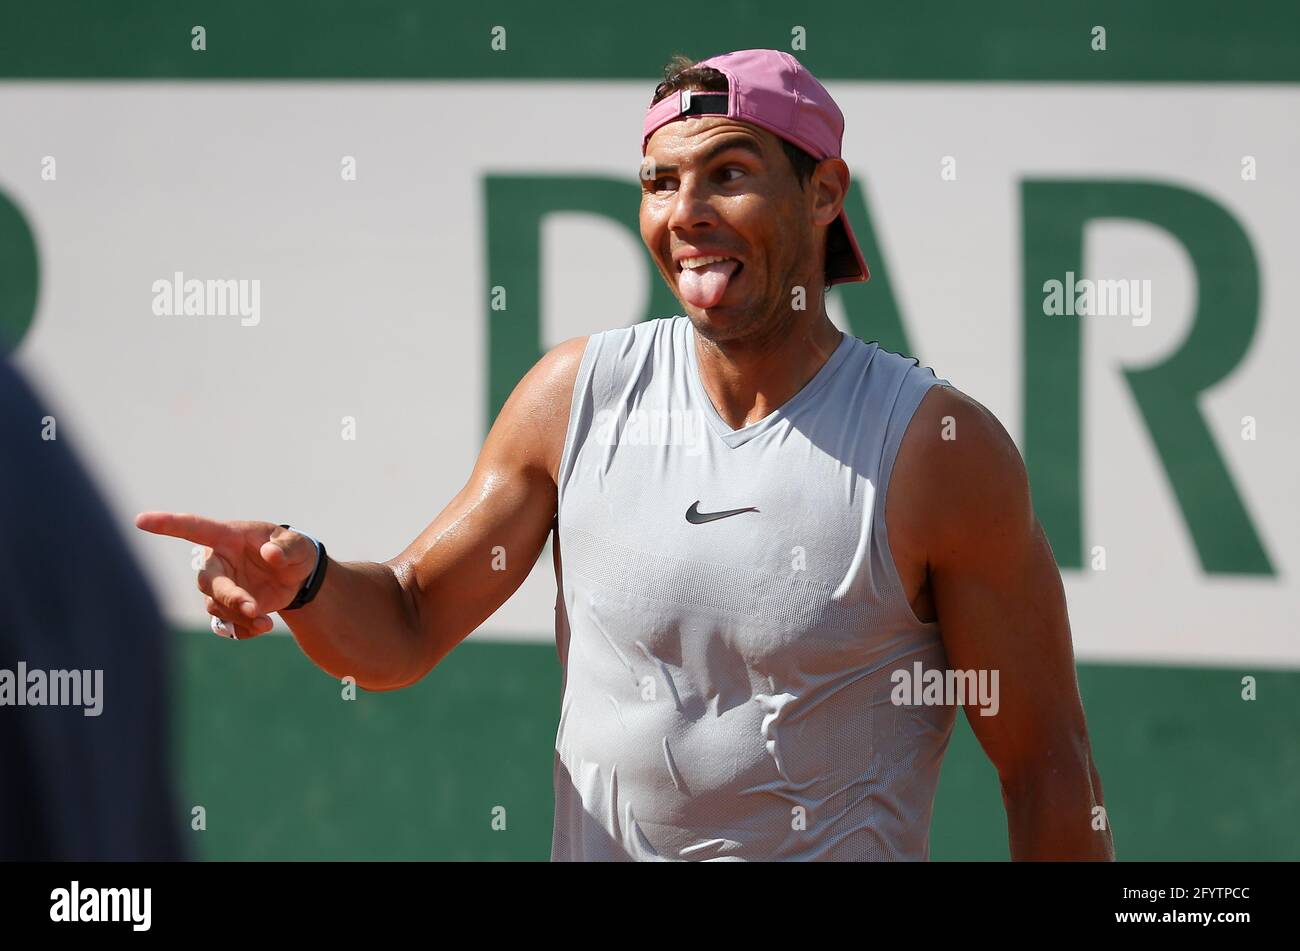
<point>290,551</point>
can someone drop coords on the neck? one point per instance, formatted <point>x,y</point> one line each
<point>749,378</point>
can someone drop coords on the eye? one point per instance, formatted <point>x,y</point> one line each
<point>654,184</point>
<point>733,168</point>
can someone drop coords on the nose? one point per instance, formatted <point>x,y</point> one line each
<point>691,208</point>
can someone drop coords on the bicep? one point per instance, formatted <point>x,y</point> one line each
<point>999,597</point>
<point>479,549</point>
<point>1006,614</point>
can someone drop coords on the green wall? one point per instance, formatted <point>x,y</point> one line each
<point>1155,40</point>
<point>287,769</point>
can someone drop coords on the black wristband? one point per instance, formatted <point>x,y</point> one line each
<point>314,580</point>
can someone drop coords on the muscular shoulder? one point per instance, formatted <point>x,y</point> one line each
<point>958,483</point>
<point>531,426</point>
<point>535,419</point>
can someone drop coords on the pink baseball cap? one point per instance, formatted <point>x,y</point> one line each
<point>772,90</point>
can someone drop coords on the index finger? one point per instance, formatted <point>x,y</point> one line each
<point>195,528</point>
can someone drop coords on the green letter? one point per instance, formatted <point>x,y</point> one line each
<point>516,206</point>
<point>19,276</point>
<point>1227,311</point>
<point>870,307</point>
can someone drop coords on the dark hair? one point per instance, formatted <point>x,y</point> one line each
<point>682,73</point>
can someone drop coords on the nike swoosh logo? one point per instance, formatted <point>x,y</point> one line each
<point>696,517</point>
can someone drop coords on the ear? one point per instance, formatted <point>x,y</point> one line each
<point>830,185</point>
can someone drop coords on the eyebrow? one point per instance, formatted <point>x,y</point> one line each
<point>744,143</point>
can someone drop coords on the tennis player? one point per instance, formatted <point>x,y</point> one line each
<point>788,555</point>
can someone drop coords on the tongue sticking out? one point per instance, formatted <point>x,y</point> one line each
<point>704,286</point>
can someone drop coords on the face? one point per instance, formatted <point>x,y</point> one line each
<point>715,187</point>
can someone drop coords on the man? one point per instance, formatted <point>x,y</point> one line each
<point>769,530</point>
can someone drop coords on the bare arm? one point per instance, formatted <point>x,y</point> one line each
<point>481,547</point>
<point>1001,606</point>
<point>388,624</point>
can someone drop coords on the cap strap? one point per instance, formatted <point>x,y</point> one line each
<point>696,103</point>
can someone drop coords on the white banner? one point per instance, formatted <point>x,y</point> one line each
<point>367,299</point>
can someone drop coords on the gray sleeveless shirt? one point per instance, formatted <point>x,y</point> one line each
<point>727,690</point>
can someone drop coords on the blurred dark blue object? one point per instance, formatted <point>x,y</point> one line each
<point>73,598</point>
